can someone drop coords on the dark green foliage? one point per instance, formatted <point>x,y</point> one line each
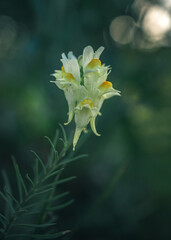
<point>32,213</point>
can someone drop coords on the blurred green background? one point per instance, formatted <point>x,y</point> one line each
<point>123,189</point>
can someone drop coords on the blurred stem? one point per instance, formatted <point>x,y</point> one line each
<point>103,197</point>
<point>107,192</point>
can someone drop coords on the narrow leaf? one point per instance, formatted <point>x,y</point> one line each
<point>60,196</point>
<point>35,225</point>
<point>2,216</point>
<point>72,159</point>
<point>7,201</point>
<point>29,179</point>
<point>53,173</point>
<point>3,220</point>
<point>21,179</point>
<point>7,186</point>
<point>64,180</point>
<point>41,192</point>
<point>40,160</point>
<point>37,236</point>
<point>52,145</point>
<point>36,170</point>
<point>64,133</point>
<point>18,180</point>
<point>12,197</point>
<point>61,206</point>
<point>53,150</point>
<point>53,184</point>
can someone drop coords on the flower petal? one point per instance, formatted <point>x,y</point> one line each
<point>71,55</point>
<point>87,55</point>
<point>70,97</point>
<point>73,67</point>
<point>80,60</point>
<point>98,52</point>
<point>102,78</point>
<point>82,119</point>
<point>64,60</point>
<point>93,80</point>
<point>83,113</point>
<point>81,94</point>
<point>111,94</point>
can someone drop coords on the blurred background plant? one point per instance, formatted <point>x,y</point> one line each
<point>129,165</point>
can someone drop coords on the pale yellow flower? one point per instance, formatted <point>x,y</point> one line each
<point>85,85</point>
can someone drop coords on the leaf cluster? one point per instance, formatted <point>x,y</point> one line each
<point>31,212</point>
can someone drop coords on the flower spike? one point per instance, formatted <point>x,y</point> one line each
<point>85,85</point>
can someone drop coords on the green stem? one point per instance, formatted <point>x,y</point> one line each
<point>47,204</point>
